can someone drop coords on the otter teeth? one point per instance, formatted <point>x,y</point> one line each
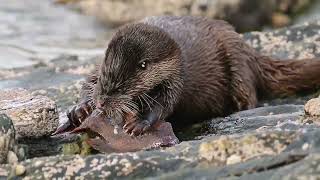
<point>116,129</point>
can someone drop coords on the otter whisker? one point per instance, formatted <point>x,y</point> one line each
<point>140,103</point>
<point>127,109</point>
<point>133,105</point>
<point>154,100</point>
<point>147,102</point>
<point>146,97</point>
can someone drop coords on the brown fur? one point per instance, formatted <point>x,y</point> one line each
<point>196,69</point>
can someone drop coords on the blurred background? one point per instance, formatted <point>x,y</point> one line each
<point>245,15</point>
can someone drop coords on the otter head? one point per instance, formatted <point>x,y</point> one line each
<point>140,60</point>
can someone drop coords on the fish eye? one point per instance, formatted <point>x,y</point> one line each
<point>143,65</point>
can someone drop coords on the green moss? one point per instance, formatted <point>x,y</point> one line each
<point>71,148</point>
<point>79,147</point>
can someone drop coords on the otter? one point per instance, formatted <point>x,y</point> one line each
<point>185,70</point>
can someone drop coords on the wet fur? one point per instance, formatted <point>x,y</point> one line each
<point>198,69</point>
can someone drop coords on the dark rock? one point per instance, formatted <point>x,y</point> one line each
<point>259,153</point>
<point>10,151</point>
<point>7,137</point>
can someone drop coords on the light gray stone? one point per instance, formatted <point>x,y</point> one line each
<point>32,116</point>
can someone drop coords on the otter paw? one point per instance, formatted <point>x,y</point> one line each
<point>135,128</point>
<point>79,113</point>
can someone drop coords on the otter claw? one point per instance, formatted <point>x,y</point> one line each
<point>63,128</point>
<point>136,128</point>
<point>76,115</point>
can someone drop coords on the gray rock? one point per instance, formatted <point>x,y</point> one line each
<point>243,14</point>
<point>155,163</point>
<point>210,157</point>
<point>301,41</point>
<point>32,116</point>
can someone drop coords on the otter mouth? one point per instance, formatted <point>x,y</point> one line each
<point>146,100</point>
<point>155,91</point>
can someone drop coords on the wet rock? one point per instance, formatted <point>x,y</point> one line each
<point>32,116</point>
<point>243,14</point>
<point>269,118</point>
<point>282,150</point>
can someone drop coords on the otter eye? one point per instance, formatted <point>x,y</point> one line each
<point>143,64</point>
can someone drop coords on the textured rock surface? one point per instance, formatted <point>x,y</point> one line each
<point>279,152</point>
<point>312,107</point>
<point>32,116</point>
<point>243,14</point>
<point>301,41</point>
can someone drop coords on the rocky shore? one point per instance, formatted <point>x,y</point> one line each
<point>278,140</point>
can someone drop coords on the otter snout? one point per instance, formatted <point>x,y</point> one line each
<point>100,104</point>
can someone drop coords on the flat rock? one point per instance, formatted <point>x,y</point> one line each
<point>210,157</point>
<point>32,116</point>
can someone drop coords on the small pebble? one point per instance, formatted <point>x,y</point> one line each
<point>305,146</point>
<point>20,170</point>
<point>116,130</point>
<point>233,159</point>
<point>12,158</point>
<point>37,163</point>
<point>2,142</point>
